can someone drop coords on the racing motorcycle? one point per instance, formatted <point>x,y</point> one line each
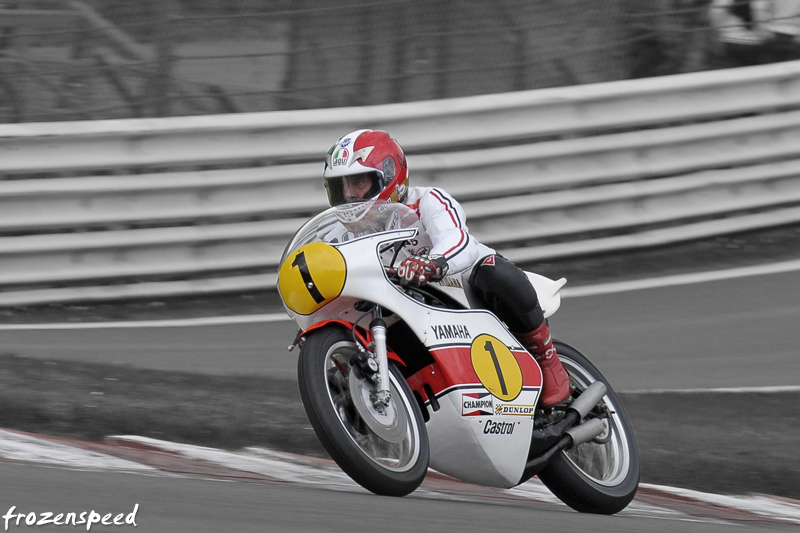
<point>395,378</point>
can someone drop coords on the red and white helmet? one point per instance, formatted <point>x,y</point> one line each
<point>372,158</point>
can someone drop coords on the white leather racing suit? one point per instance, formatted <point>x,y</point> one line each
<point>443,229</point>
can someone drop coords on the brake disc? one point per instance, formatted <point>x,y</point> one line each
<point>390,425</point>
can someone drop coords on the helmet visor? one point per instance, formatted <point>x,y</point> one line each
<point>354,188</point>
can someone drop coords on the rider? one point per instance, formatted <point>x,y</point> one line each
<point>369,164</point>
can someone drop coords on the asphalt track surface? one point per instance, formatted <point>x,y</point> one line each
<point>739,332</point>
<point>321,498</point>
<point>181,503</point>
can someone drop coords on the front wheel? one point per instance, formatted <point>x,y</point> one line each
<point>385,451</point>
<point>600,476</point>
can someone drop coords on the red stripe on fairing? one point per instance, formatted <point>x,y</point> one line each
<point>453,369</point>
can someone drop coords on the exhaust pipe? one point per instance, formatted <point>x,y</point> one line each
<point>575,435</point>
<point>572,437</point>
<point>586,432</point>
<point>588,399</point>
<point>586,402</point>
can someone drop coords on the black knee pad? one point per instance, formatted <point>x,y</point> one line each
<point>505,290</point>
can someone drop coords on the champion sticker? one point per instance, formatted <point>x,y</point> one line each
<point>477,404</point>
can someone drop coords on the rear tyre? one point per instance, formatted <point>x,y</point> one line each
<point>384,452</point>
<point>595,477</point>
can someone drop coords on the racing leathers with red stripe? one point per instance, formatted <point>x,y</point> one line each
<point>443,230</point>
<point>501,287</point>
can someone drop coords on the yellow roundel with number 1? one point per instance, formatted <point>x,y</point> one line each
<point>496,367</point>
<point>311,276</point>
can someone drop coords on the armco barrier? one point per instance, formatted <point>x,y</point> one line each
<point>153,207</point>
<point>441,125</point>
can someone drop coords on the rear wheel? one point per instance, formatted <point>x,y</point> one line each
<point>600,476</point>
<point>385,451</point>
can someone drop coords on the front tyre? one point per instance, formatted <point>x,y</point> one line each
<point>386,453</point>
<point>595,477</point>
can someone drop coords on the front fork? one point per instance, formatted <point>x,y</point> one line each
<point>373,359</point>
<point>382,395</point>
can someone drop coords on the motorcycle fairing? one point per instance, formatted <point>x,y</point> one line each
<point>486,387</point>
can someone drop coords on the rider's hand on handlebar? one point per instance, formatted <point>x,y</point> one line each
<point>420,269</point>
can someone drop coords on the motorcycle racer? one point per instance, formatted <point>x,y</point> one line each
<point>367,165</point>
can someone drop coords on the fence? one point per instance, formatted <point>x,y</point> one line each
<point>114,209</point>
<point>94,59</point>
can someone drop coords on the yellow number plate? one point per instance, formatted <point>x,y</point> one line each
<point>496,367</point>
<point>311,276</point>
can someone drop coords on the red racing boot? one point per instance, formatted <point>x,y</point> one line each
<point>555,386</point>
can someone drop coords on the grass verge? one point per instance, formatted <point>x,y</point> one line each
<point>718,442</point>
<point>709,442</point>
<point>93,401</point>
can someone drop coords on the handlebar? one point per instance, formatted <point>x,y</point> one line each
<point>394,277</point>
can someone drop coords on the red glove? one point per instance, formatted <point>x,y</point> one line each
<point>420,269</point>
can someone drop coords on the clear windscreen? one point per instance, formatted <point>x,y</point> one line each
<point>351,221</point>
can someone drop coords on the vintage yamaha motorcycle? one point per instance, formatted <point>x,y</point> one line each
<point>395,378</point>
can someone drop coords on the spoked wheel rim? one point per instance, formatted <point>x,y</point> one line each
<point>604,463</point>
<point>391,439</point>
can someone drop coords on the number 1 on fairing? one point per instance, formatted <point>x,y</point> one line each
<point>490,348</point>
<point>308,281</point>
